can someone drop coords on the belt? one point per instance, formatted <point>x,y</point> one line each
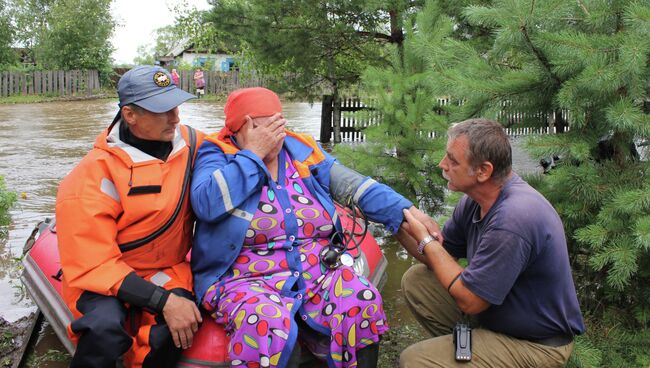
<point>555,341</point>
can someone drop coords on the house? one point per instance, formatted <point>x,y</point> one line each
<point>187,54</point>
<point>25,56</point>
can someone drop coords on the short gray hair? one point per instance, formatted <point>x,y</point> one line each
<point>487,142</point>
<point>138,109</point>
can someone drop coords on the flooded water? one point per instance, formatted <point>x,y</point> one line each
<point>41,143</point>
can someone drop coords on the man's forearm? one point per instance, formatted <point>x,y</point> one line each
<point>447,270</point>
<point>443,265</point>
<point>411,245</point>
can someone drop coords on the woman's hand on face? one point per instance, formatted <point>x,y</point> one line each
<point>262,139</point>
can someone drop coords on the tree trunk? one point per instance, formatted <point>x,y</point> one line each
<point>326,119</point>
<point>397,33</point>
<point>336,114</point>
<point>336,101</point>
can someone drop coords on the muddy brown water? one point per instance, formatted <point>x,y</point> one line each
<point>41,143</point>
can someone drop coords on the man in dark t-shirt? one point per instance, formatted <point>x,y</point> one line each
<point>517,287</point>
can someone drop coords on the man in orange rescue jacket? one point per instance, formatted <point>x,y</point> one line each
<point>124,227</point>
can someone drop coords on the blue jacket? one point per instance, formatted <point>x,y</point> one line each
<point>226,188</point>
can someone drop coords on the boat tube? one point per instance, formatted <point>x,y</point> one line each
<point>42,279</point>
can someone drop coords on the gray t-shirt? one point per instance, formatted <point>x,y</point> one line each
<point>517,261</point>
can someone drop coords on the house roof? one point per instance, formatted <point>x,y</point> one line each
<point>184,46</point>
<point>180,48</point>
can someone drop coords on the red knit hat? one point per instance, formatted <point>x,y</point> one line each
<point>255,102</point>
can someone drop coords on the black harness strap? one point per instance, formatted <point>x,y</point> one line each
<point>186,183</point>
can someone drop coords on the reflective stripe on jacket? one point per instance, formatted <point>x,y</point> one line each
<point>115,195</point>
<point>226,188</point>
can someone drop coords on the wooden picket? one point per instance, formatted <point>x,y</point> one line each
<point>352,125</point>
<point>71,82</point>
<point>76,82</point>
<point>219,82</point>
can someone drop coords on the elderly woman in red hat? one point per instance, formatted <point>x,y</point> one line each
<point>264,201</point>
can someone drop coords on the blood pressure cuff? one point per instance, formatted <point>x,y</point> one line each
<point>141,293</point>
<point>346,184</point>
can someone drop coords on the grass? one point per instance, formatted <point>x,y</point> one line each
<point>51,355</point>
<point>104,94</point>
<point>7,345</point>
<point>27,99</point>
<point>396,340</point>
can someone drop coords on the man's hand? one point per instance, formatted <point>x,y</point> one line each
<point>263,139</point>
<point>183,318</point>
<point>420,218</point>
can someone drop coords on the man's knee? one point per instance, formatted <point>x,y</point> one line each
<point>406,358</point>
<point>412,356</point>
<point>418,279</point>
<point>103,317</point>
<point>102,337</point>
<point>436,352</point>
<point>411,275</point>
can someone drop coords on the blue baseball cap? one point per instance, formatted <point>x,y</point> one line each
<point>151,88</point>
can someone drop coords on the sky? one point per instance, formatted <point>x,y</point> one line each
<point>136,21</point>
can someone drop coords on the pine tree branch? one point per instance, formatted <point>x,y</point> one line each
<point>584,8</point>
<point>376,35</point>
<point>540,56</point>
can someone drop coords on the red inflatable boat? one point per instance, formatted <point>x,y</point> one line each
<point>42,278</point>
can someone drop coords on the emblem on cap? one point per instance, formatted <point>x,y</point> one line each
<point>161,79</point>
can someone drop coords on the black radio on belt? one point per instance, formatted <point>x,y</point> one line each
<point>462,342</point>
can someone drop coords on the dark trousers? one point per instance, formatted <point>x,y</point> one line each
<point>104,338</point>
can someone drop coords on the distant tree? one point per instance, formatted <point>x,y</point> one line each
<point>29,18</point>
<point>307,45</point>
<point>168,38</point>
<point>77,36</point>
<point>195,27</point>
<point>145,56</point>
<point>7,55</point>
<point>404,149</point>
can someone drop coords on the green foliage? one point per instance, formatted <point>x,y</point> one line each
<point>66,34</point>
<point>168,38</point>
<point>319,44</point>
<point>581,65</point>
<point>52,355</point>
<point>29,18</point>
<point>408,97</point>
<point>7,55</point>
<point>611,342</point>
<point>195,27</point>
<point>144,57</point>
<point>7,201</point>
<point>77,36</point>
<point>399,151</point>
<point>585,354</point>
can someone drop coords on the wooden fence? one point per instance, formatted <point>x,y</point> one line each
<point>53,82</point>
<point>352,125</point>
<point>75,82</point>
<point>220,82</point>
